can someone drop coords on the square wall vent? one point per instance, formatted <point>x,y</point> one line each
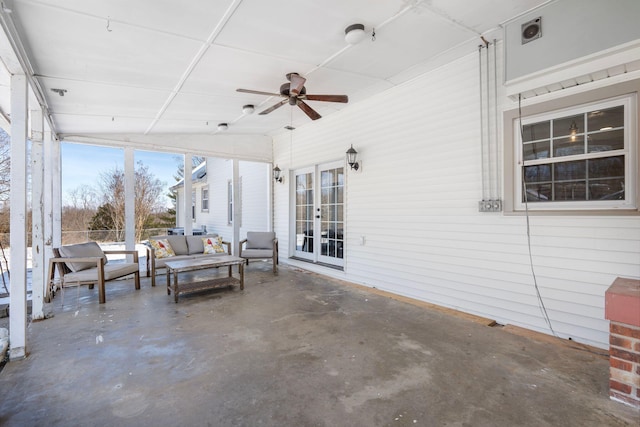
<point>531,30</point>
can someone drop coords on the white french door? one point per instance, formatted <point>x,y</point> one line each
<point>319,214</point>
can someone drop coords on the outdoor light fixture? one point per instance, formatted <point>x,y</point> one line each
<point>573,130</point>
<point>222,127</point>
<point>351,158</point>
<point>248,109</point>
<point>354,34</point>
<point>277,175</point>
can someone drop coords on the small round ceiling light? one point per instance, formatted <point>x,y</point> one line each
<point>354,34</point>
<point>222,127</point>
<point>248,109</point>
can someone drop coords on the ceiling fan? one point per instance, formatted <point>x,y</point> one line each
<point>295,93</point>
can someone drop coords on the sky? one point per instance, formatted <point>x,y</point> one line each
<point>82,165</point>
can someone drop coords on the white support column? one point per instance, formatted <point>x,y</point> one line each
<point>56,193</point>
<point>18,223</point>
<point>237,207</point>
<point>37,216</point>
<point>188,189</point>
<point>129,199</point>
<point>47,199</point>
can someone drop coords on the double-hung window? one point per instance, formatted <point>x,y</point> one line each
<point>582,157</point>
<point>204,194</point>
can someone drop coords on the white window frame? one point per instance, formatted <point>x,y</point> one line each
<point>629,102</point>
<point>204,199</point>
<point>557,102</point>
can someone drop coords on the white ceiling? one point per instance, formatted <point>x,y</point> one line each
<point>158,66</point>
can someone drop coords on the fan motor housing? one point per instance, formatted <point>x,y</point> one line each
<point>285,87</point>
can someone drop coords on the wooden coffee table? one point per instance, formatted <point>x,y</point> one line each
<point>176,267</point>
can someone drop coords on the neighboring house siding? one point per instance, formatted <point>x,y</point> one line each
<point>255,188</point>
<point>415,201</point>
<point>255,197</point>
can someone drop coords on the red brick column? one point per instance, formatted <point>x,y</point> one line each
<point>622,309</point>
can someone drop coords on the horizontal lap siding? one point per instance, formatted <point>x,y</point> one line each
<point>415,203</point>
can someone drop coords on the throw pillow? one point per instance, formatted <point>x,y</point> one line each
<point>213,245</point>
<point>162,248</point>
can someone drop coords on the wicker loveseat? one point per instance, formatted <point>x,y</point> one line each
<point>184,247</point>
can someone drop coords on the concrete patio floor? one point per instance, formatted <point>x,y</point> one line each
<point>296,349</point>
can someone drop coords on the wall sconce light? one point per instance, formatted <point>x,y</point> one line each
<point>248,109</point>
<point>351,158</point>
<point>222,127</point>
<point>277,175</point>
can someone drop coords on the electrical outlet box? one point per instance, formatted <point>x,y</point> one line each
<point>490,206</point>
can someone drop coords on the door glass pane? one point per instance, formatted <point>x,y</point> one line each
<point>304,212</point>
<point>331,210</point>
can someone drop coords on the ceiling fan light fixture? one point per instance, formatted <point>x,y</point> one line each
<point>223,127</point>
<point>248,109</point>
<point>354,34</point>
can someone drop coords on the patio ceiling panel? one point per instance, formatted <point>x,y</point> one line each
<point>420,35</point>
<point>304,30</point>
<point>101,124</point>
<point>191,19</point>
<point>89,51</point>
<point>113,100</point>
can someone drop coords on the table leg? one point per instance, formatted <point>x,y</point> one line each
<point>175,285</point>
<point>241,271</point>
<point>168,280</point>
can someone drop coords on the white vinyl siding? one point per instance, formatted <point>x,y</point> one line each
<point>415,202</point>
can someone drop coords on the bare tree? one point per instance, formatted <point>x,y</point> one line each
<point>147,199</point>
<point>78,213</point>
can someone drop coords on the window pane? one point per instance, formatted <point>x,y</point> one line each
<point>606,141</point>
<point>604,119</point>
<point>538,193</point>
<point>570,171</point>
<point>570,191</point>
<point>568,126</point>
<point>538,173</point>
<point>536,150</point>
<point>609,167</point>
<point>326,195</point>
<point>606,189</point>
<point>536,131</point>
<point>571,146</point>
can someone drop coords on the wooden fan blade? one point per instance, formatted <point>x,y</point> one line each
<point>328,98</point>
<point>278,105</point>
<point>297,82</point>
<point>258,92</point>
<point>313,114</point>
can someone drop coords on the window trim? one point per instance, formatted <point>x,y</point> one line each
<point>204,202</point>
<point>629,102</point>
<point>511,144</point>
